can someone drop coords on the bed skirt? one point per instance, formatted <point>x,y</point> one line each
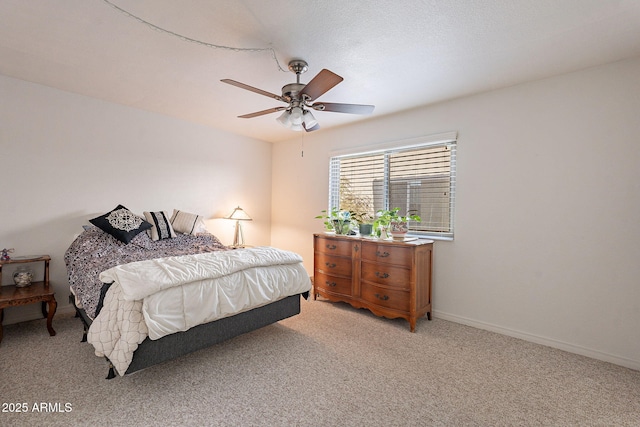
<point>153,352</point>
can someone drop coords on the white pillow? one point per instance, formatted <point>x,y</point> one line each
<point>187,223</point>
<point>161,225</point>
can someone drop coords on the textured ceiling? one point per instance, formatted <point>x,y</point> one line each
<point>394,54</point>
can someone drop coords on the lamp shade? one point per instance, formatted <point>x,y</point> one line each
<point>297,119</point>
<point>239,214</point>
<point>309,120</point>
<point>285,119</point>
<point>296,116</point>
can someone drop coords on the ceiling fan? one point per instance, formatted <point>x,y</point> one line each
<point>300,98</point>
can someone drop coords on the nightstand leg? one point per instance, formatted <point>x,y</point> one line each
<point>1,317</point>
<point>52,310</point>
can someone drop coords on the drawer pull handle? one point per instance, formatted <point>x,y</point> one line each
<point>382,254</point>
<point>331,247</point>
<point>382,297</point>
<point>381,275</point>
<point>332,284</point>
<point>330,265</point>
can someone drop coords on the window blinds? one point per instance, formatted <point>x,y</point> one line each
<point>420,179</point>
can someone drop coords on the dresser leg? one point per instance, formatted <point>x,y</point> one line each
<point>52,310</point>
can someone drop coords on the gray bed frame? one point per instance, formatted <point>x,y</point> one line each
<point>153,352</point>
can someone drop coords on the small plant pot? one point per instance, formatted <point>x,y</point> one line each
<point>383,233</point>
<point>341,227</point>
<point>365,229</point>
<point>399,230</point>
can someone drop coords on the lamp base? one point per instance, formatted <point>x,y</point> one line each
<point>238,237</point>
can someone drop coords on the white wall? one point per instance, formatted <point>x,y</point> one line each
<point>66,158</point>
<point>547,235</point>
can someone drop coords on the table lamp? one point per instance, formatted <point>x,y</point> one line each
<point>238,215</point>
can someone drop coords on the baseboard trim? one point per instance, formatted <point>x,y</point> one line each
<point>571,348</point>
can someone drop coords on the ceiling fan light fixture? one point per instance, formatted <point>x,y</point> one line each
<point>296,116</point>
<point>297,128</point>
<point>285,119</point>
<point>308,119</point>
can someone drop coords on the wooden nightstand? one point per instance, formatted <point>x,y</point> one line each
<point>12,296</point>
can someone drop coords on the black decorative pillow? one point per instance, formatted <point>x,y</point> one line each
<point>121,223</point>
<point>161,227</point>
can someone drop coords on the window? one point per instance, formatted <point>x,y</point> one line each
<point>419,178</point>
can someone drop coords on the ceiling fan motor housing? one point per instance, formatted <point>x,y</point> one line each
<point>292,90</point>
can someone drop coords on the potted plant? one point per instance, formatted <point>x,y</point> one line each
<point>327,218</point>
<point>336,220</point>
<point>391,221</point>
<point>365,222</point>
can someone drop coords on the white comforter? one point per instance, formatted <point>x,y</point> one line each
<point>161,296</point>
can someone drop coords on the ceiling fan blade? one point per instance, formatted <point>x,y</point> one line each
<point>311,129</point>
<point>343,108</point>
<point>321,83</point>
<point>253,89</point>
<point>262,113</point>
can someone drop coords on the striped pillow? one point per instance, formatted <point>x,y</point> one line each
<point>187,223</point>
<point>161,226</point>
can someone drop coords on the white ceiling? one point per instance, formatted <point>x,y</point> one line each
<point>394,54</point>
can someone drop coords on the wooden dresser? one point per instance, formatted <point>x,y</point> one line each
<point>391,279</point>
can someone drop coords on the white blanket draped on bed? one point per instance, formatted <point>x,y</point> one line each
<point>161,296</point>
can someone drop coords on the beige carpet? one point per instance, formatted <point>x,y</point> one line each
<point>330,366</point>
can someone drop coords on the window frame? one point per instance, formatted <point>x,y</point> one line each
<point>444,139</point>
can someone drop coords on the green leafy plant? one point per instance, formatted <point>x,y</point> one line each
<point>327,218</point>
<point>384,218</point>
<point>362,217</point>
<point>337,220</point>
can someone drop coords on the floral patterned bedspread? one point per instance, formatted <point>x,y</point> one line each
<point>95,251</point>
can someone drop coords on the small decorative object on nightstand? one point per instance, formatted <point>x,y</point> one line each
<point>4,254</point>
<point>27,292</point>
<point>22,277</point>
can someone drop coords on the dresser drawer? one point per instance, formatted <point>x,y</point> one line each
<point>339,285</point>
<point>390,298</point>
<point>388,275</point>
<point>389,254</point>
<point>332,264</point>
<point>333,246</point>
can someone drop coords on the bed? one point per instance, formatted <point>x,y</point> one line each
<point>145,299</point>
